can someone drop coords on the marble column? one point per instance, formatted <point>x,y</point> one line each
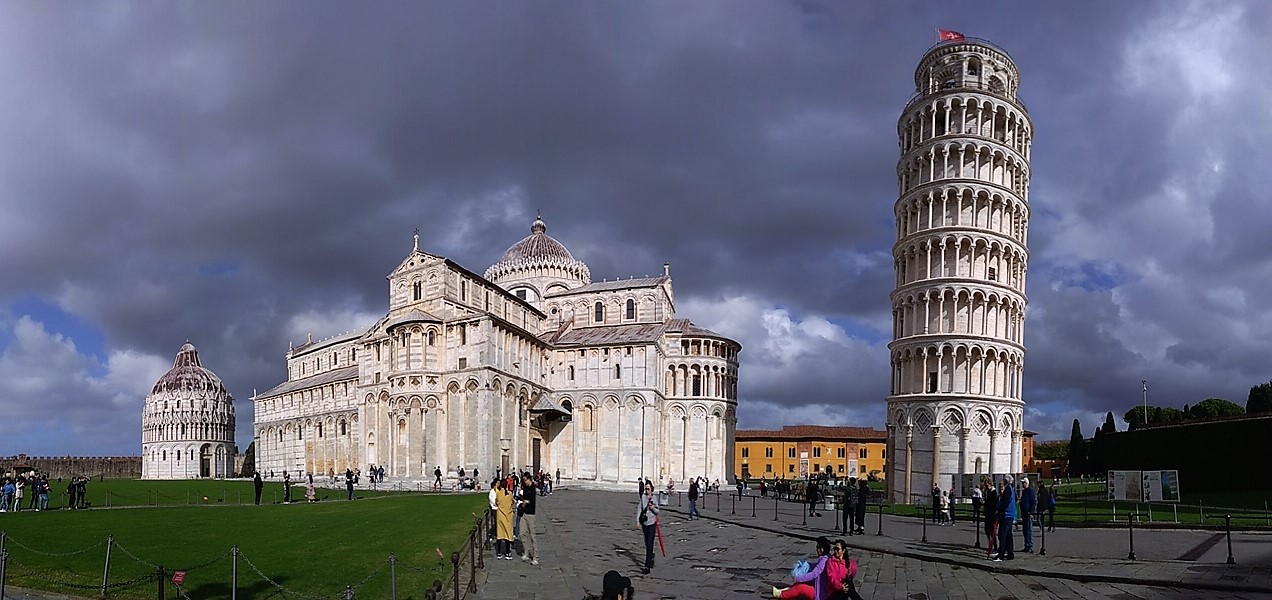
<point>936,457</point>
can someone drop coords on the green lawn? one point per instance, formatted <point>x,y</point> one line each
<point>309,549</point>
<point>136,492</point>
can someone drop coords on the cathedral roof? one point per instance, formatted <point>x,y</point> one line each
<point>812,432</point>
<point>323,378</point>
<point>415,315</point>
<point>617,284</point>
<point>537,250</point>
<point>686,327</point>
<point>610,335</point>
<point>187,374</point>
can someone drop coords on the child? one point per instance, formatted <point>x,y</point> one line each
<point>815,584</point>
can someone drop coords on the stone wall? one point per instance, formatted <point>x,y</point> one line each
<point>64,467</point>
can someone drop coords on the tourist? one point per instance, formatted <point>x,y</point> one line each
<point>1007,511</point>
<point>815,583</point>
<point>1028,506</point>
<point>437,477</point>
<point>936,503</point>
<point>647,518</point>
<point>43,495</point>
<point>34,484</point>
<point>503,533</point>
<point>991,516</point>
<point>6,494</point>
<point>614,587</point>
<point>72,491</point>
<point>349,482</point>
<point>286,487</point>
<point>811,491</point>
<point>558,482</point>
<point>863,497</point>
<point>258,485</point>
<point>850,507</point>
<point>18,490</point>
<point>476,479</point>
<point>976,504</point>
<point>518,491</point>
<point>1051,508</point>
<point>693,499</point>
<point>526,509</point>
<point>953,504</point>
<point>309,488</point>
<point>843,573</point>
<point>942,506</point>
<point>494,512</point>
<point>82,492</point>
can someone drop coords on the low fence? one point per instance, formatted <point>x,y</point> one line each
<point>458,584</point>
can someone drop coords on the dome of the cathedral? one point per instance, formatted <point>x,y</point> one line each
<point>535,252</point>
<point>188,374</point>
<point>536,245</point>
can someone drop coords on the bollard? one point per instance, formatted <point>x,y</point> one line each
<point>161,577</point>
<point>1227,520</point>
<point>733,505</point>
<point>1130,527</point>
<point>977,526</point>
<point>110,539</point>
<point>348,595</point>
<point>924,540</point>
<point>677,499</point>
<point>717,501</point>
<point>455,572</point>
<point>774,507</point>
<point>481,550</point>
<point>1043,521</point>
<point>753,507</point>
<point>392,577</point>
<point>880,520</point>
<point>805,513</point>
<point>4,559</point>
<point>234,552</point>
<point>1201,510</point>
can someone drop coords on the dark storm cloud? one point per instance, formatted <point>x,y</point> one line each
<point>243,175</point>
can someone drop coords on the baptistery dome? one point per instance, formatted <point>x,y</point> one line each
<point>187,425</point>
<point>538,265</point>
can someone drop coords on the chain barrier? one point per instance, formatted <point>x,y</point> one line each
<point>50,577</point>
<point>134,556</point>
<point>58,554</point>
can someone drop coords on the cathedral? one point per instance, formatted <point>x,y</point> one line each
<point>531,366</point>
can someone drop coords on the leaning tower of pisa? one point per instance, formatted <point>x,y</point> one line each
<point>958,309</point>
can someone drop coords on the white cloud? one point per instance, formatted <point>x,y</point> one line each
<point>55,403</point>
<point>323,324</point>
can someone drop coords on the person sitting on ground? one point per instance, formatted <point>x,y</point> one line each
<point>614,587</point>
<point>815,584</point>
<point>843,573</point>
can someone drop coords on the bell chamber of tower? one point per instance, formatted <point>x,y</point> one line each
<point>958,305</point>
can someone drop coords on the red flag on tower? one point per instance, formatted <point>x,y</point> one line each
<point>947,35</point>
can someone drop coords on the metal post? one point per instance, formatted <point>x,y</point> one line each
<point>392,577</point>
<point>1201,509</point>
<point>161,578</point>
<point>774,507</point>
<point>678,499</point>
<point>1227,520</point>
<point>455,572</point>
<point>110,539</point>
<point>733,505</point>
<point>1176,507</point>
<point>753,506</point>
<point>805,513</point>
<point>717,501</point>
<point>1043,521</point>
<point>924,540</point>
<point>3,534</point>
<point>977,526</point>
<point>472,558</point>
<point>481,537</point>
<point>234,553</point>
<point>1130,527</point>
<point>880,520</point>
<point>4,558</point>
<point>348,595</point>
<point>1150,512</point>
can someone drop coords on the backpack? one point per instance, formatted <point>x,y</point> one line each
<point>801,568</point>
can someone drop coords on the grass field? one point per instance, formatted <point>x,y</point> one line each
<point>307,549</point>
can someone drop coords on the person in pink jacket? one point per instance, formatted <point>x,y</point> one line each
<point>815,584</point>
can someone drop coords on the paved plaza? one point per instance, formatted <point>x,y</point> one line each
<point>582,534</point>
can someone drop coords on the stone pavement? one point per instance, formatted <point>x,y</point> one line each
<point>585,533</point>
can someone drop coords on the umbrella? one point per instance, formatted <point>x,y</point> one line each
<point>658,529</point>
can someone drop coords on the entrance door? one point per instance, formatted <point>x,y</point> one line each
<point>205,461</point>
<point>536,448</point>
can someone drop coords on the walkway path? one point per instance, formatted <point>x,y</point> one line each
<point>723,555</point>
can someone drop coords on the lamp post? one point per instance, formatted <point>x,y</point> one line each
<point>1144,382</point>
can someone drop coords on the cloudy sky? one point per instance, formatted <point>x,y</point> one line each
<point>243,175</point>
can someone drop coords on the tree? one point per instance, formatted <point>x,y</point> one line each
<point>1215,407</point>
<point>1095,457</point>
<point>1134,418</point>
<point>1077,449</point>
<point>1054,450</point>
<point>1110,426</point>
<point>1260,400</point>
<point>249,461</point>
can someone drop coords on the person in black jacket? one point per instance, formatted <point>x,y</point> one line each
<point>693,499</point>
<point>863,495</point>
<point>850,507</point>
<point>526,509</point>
<point>991,514</point>
<point>258,485</point>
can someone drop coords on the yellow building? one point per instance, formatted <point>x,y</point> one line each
<point>796,450</point>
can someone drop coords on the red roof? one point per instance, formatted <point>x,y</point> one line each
<point>813,432</point>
